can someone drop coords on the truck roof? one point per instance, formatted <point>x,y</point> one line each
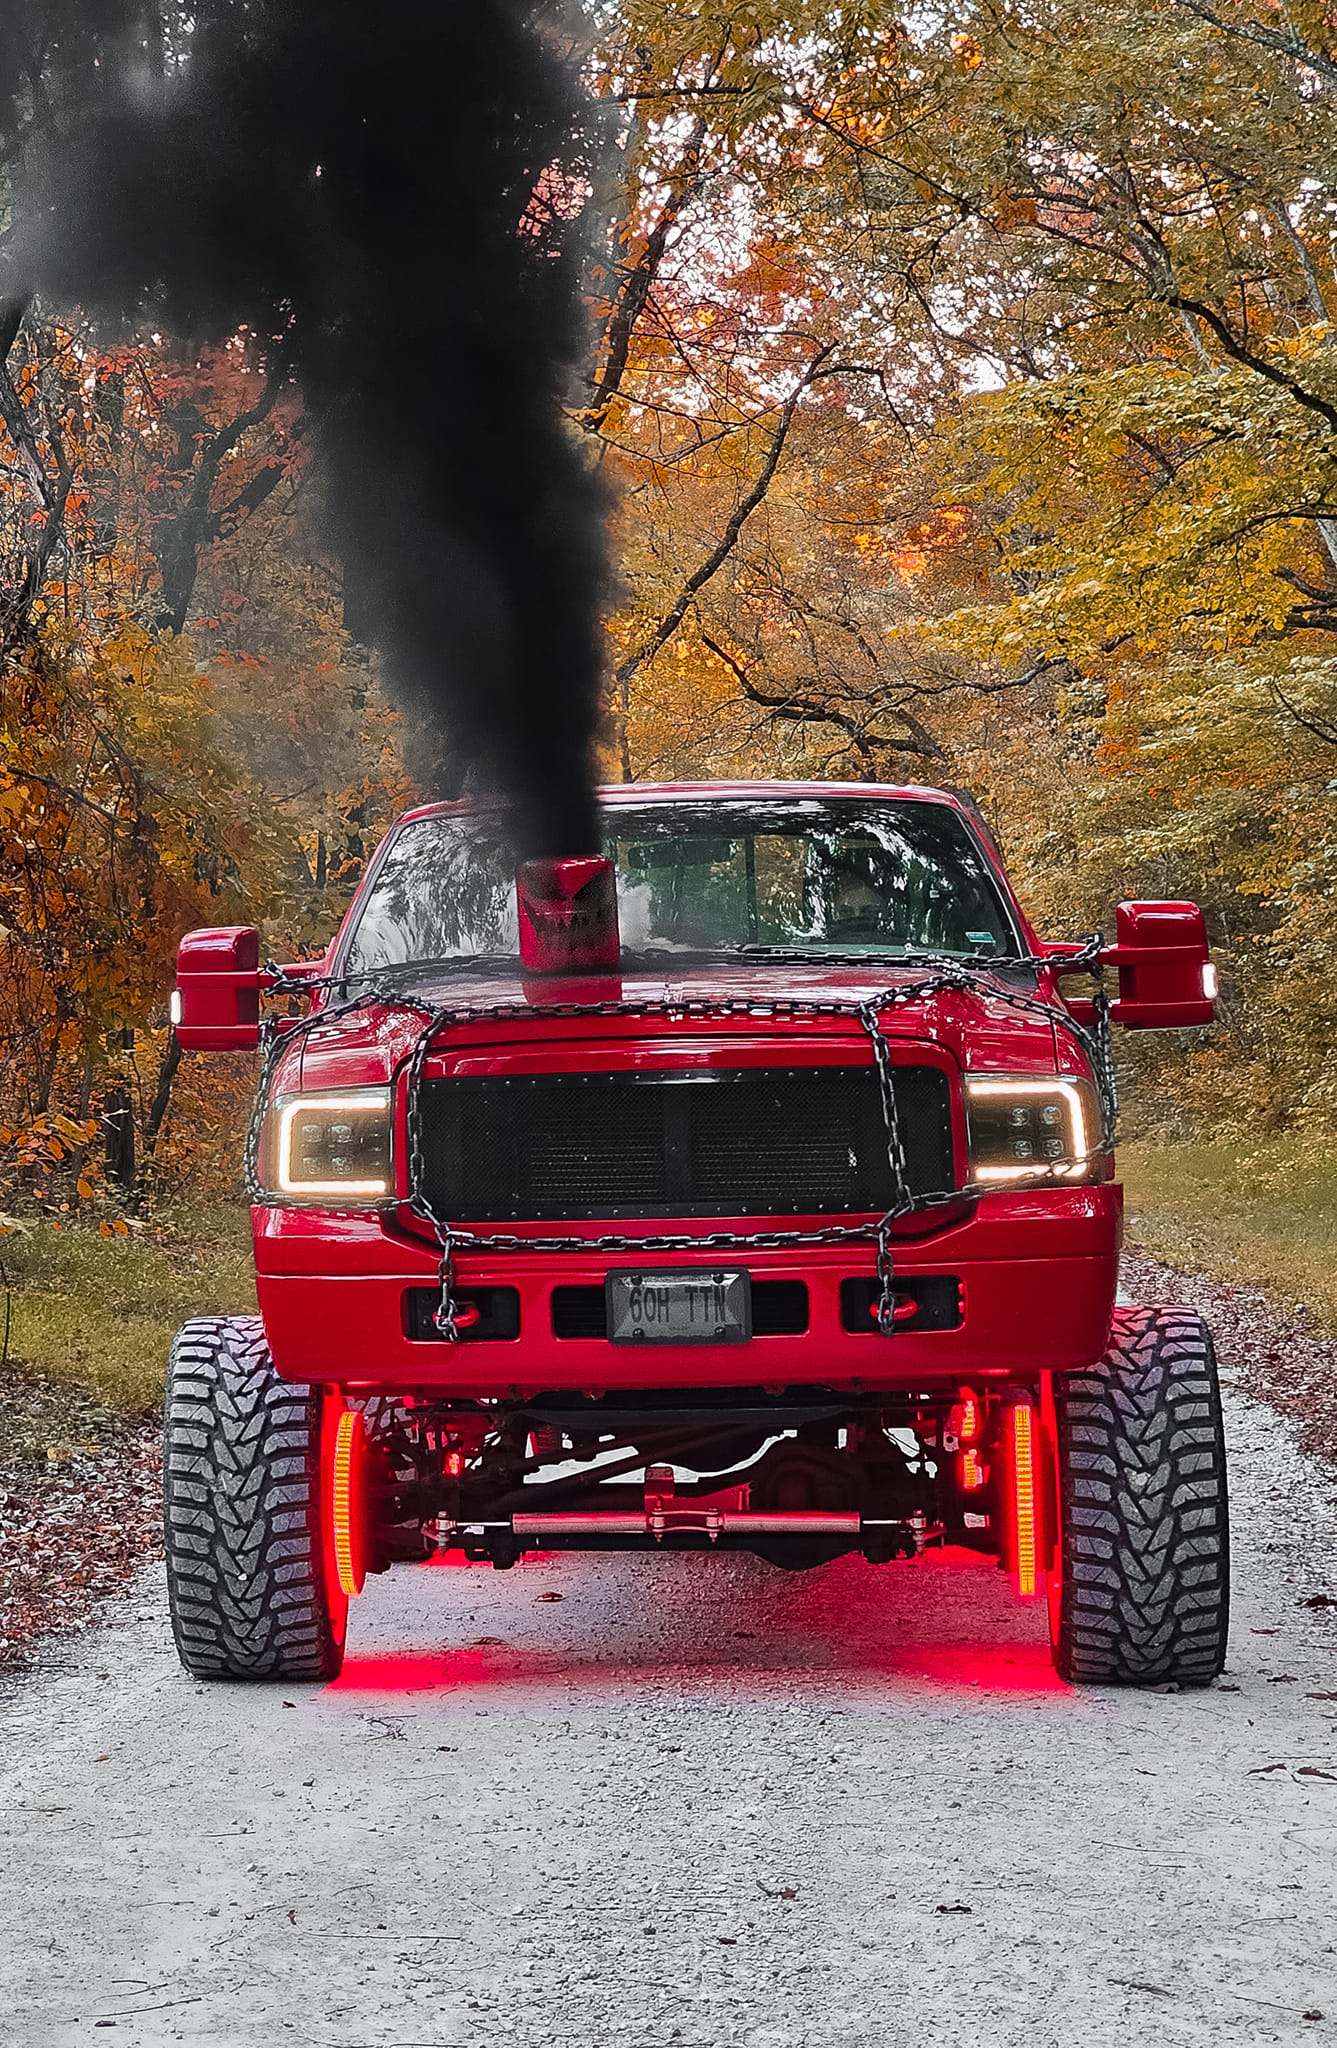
<point>613,793</point>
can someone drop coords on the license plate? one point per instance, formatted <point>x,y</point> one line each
<point>696,1307</point>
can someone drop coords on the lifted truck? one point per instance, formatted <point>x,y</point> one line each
<point>748,1187</point>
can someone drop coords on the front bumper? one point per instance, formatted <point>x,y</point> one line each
<point>1037,1274</point>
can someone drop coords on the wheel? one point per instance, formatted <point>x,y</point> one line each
<point>1139,1593</point>
<point>252,1578</point>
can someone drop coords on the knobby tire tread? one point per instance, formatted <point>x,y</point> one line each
<point>243,1511</point>
<point>1143,1515</point>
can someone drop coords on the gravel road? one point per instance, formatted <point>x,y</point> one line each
<point>651,1803</point>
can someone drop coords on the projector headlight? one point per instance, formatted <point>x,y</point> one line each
<point>1026,1128</point>
<point>330,1150</point>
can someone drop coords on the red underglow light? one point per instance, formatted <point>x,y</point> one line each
<point>973,1474</point>
<point>1023,1486</point>
<point>454,1464</point>
<point>951,1627</point>
<point>346,1447</point>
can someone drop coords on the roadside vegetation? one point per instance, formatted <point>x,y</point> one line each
<point>93,1316</point>
<point>1252,1213</point>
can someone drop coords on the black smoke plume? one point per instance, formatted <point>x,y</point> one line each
<point>389,194</point>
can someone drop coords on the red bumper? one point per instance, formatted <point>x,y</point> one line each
<point>1037,1277</point>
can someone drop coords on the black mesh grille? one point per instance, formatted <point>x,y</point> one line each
<point>763,1141</point>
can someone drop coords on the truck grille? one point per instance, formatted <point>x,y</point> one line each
<point>736,1141</point>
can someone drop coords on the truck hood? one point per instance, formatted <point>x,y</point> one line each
<point>981,1026</point>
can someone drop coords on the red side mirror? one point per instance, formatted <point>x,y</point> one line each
<point>1166,978</point>
<point>216,1001</point>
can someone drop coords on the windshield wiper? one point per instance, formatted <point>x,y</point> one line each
<point>813,956</point>
<point>458,962</point>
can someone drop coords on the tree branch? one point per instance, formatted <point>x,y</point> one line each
<point>728,540</point>
<point>12,410</point>
<point>189,532</point>
<point>1285,42</point>
<point>1149,244</point>
<point>684,185</point>
<point>1318,727</point>
<point>806,710</point>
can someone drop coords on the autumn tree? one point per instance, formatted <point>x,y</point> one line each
<point>765,410</point>
<point>1078,273</point>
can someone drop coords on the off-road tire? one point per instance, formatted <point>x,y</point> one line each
<point>243,1511</point>
<point>1143,1594</point>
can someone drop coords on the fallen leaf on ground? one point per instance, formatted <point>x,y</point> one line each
<point>71,1533</point>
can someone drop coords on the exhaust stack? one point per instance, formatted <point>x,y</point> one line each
<point>568,916</point>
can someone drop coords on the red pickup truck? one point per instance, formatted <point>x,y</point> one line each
<point>747,1187</point>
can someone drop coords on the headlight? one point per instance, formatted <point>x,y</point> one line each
<point>1027,1128</point>
<point>330,1149</point>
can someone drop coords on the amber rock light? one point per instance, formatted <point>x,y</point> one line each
<point>348,1447</point>
<point>1023,1496</point>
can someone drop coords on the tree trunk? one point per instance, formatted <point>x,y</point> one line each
<point>118,1125</point>
<point>162,1094</point>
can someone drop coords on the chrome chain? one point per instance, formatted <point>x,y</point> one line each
<point>278,1036</point>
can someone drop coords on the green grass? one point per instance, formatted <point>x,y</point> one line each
<point>98,1314</point>
<point>1256,1213</point>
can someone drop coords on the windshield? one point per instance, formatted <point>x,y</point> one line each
<point>834,875</point>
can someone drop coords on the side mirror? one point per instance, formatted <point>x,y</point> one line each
<point>1166,977</point>
<point>215,1005</point>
